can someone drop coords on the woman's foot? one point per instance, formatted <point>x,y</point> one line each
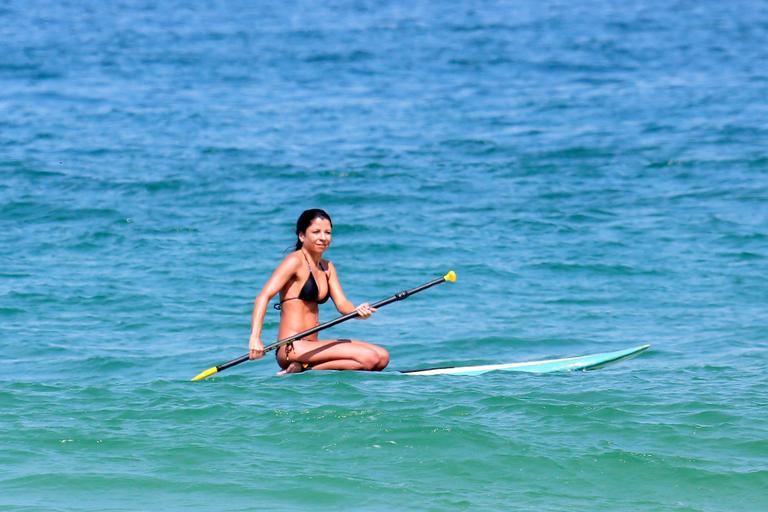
<point>294,367</point>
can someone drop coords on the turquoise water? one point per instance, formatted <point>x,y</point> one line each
<point>596,174</point>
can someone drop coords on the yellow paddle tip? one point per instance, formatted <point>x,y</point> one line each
<point>450,276</point>
<point>207,373</point>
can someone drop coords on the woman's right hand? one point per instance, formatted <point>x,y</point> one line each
<point>255,348</point>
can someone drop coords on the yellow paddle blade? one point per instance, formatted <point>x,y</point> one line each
<point>450,276</point>
<point>205,374</point>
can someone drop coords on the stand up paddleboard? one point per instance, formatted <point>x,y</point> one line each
<point>583,363</point>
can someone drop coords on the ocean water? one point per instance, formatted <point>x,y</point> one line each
<point>596,173</point>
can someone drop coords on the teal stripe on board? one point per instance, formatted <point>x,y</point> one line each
<point>595,173</point>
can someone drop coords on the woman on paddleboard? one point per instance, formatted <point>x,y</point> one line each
<point>304,280</point>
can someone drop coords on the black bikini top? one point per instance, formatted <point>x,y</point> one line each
<point>310,292</point>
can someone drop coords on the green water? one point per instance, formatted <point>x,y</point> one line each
<point>596,174</point>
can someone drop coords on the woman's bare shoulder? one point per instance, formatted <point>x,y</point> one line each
<point>291,261</point>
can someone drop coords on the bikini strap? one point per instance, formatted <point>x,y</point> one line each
<point>309,266</point>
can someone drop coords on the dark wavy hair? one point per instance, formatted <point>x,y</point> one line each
<point>306,218</point>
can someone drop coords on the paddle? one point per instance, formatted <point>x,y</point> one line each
<point>450,276</point>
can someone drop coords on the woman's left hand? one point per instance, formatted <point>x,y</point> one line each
<point>364,310</point>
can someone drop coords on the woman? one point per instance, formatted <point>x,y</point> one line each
<point>305,280</point>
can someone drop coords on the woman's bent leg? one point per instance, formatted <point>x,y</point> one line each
<point>337,355</point>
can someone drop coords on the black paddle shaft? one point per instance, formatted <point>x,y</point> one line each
<point>396,297</point>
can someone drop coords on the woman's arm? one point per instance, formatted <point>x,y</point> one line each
<point>282,274</point>
<point>343,305</point>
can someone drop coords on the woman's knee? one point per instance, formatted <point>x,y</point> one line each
<point>372,359</point>
<point>383,356</point>
<point>380,358</point>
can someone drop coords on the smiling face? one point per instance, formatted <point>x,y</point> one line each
<point>317,238</point>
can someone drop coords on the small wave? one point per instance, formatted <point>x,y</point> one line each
<point>339,57</point>
<point>472,146</point>
<point>172,185</point>
<point>47,212</point>
<point>597,268</point>
<point>743,256</point>
<point>4,311</point>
